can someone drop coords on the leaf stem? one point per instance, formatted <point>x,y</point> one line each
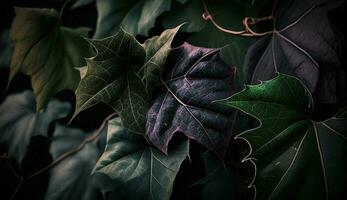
<point>21,180</point>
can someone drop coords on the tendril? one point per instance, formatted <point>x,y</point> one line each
<point>247,22</point>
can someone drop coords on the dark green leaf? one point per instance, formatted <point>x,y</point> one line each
<point>134,16</point>
<point>71,178</point>
<point>19,121</point>
<point>143,172</point>
<point>292,152</point>
<point>121,73</point>
<point>46,52</point>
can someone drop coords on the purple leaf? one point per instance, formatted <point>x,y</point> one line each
<point>194,78</point>
<point>303,44</point>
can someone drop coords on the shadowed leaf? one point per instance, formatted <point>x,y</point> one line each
<point>140,170</point>
<point>46,52</point>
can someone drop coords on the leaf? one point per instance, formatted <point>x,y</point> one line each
<point>121,73</point>
<point>71,178</point>
<point>142,171</point>
<point>190,13</point>
<point>6,48</point>
<point>80,3</point>
<point>195,77</point>
<point>19,121</point>
<point>220,181</point>
<point>46,52</point>
<point>134,16</point>
<point>292,152</point>
<point>157,49</point>
<point>301,47</point>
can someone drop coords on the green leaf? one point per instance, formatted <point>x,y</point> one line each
<point>70,179</point>
<point>121,73</point>
<point>190,13</point>
<point>46,52</point>
<point>19,121</point>
<point>134,16</point>
<point>140,169</point>
<point>157,50</point>
<point>292,152</point>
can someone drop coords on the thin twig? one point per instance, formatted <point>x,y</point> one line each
<point>72,152</point>
<point>247,22</point>
<point>17,188</point>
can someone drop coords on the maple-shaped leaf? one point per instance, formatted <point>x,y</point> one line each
<point>138,169</point>
<point>195,77</point>
<point>47,52</point>
<point>122,73</point>
<point>291,151</point>
<point>19,121</point>
<point>134,16</point>
<point>303,44</point>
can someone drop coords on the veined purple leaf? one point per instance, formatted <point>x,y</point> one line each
<point>303,44</point>
<point>194,78</point>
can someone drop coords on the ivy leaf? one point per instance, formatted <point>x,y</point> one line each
<point>291,151</point>
<point>157,49</point>
<point>71,178</point>
<point>134,16</point>
<point>121,73</point>
<point>142,171</point>
<point>19,121</point>
<point>46,52</point>
<point>195,77</point>
<point>301,47</point>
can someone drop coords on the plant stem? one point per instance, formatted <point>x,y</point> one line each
<point>73,151</point>
<point>60,158</point>
<point>247,22</point>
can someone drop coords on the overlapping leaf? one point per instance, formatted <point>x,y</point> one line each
<point>122,73</point>
<point>303,44</point>
<point>292,152</point>
<point>228,14</point>
<point>19,121</point>
<point>138,169</point>
<point>46,52</point>
<point>195,77</point>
